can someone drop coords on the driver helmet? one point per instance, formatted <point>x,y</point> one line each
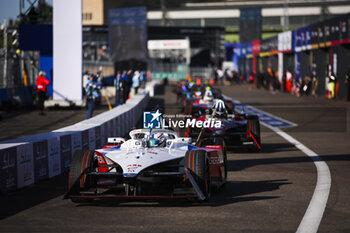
<point>153,142</point>
<point>197,94</point>
<point>208,96</point>
<point>220,110</point>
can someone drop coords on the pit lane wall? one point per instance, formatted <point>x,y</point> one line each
<point>27,160</point>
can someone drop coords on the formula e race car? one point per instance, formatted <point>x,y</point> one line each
<point>238,130</point>
<point>208,101</point>
<point>154,163</point>
<point>198,96</point>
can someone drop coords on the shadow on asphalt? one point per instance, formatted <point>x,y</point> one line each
<point>277,147</point>
<point>32,195</point>
<point>235,192</point>
<point>241,164</point>
<point>42,127</point>
<point>232,192</point>
<point>268,148</point>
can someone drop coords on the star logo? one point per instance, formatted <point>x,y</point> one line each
<point>152,120</point>
<point>156,115</point>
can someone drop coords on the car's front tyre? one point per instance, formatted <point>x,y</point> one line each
<point>196,161</point>
<point>83,161</point>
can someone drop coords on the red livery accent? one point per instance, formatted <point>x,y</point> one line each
<point>214,147</point>
<point>101,161</point>
<point>335,42</point>
<point>254,140</point>
<point>110,146</point>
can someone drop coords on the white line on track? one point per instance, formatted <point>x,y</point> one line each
<point>313,215</point>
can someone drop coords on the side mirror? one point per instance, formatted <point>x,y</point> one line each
<point>208,111</point>
<point>115,140</point>
<point>185,140</point>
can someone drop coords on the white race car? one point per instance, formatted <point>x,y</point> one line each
<point>154,163</point>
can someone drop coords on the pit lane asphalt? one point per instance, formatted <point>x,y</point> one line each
<point>29,122</point>
<point>266,192</point>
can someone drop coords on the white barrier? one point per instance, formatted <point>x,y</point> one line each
<point>27,160</point>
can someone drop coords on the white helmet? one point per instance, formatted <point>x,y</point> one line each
<point>219,110</point>
<point>208,96</point>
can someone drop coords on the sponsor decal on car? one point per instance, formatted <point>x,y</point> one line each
<point>134,165</point>
<point>214,160</point>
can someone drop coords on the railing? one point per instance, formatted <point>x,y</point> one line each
<point>19,69</point>
<point>27,160</point>
<point>106,67</point>
<point>174,71</point>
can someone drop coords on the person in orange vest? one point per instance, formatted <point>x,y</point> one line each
<point>198,81</point>
<point>188,78</point>
<point>211,81</point>
<point>41,87</point>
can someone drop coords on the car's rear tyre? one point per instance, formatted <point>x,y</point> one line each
<point>219,142</point>
<point>253,131</point>
<point>82,161</point>
<point>196,161</point>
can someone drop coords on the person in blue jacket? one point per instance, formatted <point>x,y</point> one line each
<point>92,94</point>
<point>118,88</point>
<point>143,79</point>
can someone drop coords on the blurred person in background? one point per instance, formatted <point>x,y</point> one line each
<point>228,74</point>
<point>128,84</point>
<point>41,87</point>
<point>92,94</point>
<point>220,75</point>
<point>284,81</point>
<point>242,77</point>
<point>136,81</point>
<point>251,80</point>
<point>306,85</point>
<point>347,82</point>
<point>289,79</point>
<point>117,84</point>
<point>198,81</point>
<point>143,79</point>
<point>178,90</point>
<point>274,82</point>
<point>277,81</point>
<point>99,76</point>
<point>314,83</point>
<point>331,81</point>
<point>269,79</point>
<point>85,78</point>
<point>260,79</point>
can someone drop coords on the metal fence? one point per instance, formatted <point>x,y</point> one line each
<point>204,73</point>
<point>106,67</point>
<point>20,68</point>
<point>178,71</point>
